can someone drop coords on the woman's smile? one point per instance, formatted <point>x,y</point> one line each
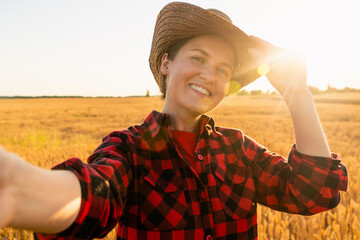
<point>198,89</point>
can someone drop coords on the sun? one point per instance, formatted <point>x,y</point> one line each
<point>323,34</point>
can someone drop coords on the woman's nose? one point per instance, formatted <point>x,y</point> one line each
<point>208,73</point>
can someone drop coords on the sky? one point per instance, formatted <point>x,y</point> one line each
<point>101,48</point>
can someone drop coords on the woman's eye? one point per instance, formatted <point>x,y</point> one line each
<point>197,59</point>
<point>223,71</point>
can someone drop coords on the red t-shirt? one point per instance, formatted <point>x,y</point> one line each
<point>187,142</point>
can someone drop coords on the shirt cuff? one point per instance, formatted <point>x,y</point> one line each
<point>327,171</point>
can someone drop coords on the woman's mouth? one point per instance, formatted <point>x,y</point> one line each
<point>200,89</point>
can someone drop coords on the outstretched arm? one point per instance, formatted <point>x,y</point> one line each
<point>34,198</point>
<point>288,76</point>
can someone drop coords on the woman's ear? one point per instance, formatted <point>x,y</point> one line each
<point>165,64</point>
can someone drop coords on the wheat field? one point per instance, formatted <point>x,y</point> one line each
<point>49,131</point>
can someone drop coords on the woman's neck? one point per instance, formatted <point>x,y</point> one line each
<point>183,120</point>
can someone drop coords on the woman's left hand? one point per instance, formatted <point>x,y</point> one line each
<point>286,69</point>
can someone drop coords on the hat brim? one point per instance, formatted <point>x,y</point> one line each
<point>179,20</point>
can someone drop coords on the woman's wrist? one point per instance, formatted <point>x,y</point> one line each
<point>19,173</point>
<point>295,98</point>
<point>12,169</point>
<point>19,170</point>
<point>36,190</point>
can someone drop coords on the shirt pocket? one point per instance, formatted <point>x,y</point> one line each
<point>235,188</point>
<point>162,200</point>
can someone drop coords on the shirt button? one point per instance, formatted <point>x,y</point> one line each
<point>204,195</point>
<point>200,157</point>
<point>209,237</point>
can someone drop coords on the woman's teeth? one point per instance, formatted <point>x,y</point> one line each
<point>200,89</point>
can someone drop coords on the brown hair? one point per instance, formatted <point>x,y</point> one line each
<point>172,52</point>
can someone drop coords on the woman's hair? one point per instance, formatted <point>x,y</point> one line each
<point>172,52</point>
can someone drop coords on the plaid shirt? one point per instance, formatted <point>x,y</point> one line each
<point>140,179</point>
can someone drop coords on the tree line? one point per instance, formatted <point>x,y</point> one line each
<point>313,90</point>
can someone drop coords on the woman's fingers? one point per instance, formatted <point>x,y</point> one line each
<point>262,43</point>
<point>285,69</point>
<point>264,52</point>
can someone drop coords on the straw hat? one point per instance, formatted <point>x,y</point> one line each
<point>179,20</point>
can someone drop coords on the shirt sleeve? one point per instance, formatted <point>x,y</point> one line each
<point>302,184</point>
<point>104,182</point>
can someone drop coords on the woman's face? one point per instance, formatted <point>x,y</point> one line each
<point>198,78</point>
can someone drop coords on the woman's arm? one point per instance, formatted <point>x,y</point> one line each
<point>36,199</point>
<point>288,76</point>
<point>309,135</point>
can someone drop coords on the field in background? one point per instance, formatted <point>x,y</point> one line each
<point>49,131</point>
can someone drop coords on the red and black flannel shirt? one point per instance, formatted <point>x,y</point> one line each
<point>140,179</point>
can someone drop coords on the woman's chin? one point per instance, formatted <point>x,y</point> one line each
<point>200,109</point>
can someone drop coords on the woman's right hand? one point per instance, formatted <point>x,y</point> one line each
<point>287,71</point>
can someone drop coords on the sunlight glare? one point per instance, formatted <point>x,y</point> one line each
<point>233,87</point>
<point>329,44</point>
<point>68,210</point>
<point>263,69</point>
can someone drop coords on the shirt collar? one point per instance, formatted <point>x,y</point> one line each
<point>156,120</point>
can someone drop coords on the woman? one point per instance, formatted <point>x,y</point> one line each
<point>178,175</point>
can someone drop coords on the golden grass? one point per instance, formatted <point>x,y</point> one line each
<point>49,131</point>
